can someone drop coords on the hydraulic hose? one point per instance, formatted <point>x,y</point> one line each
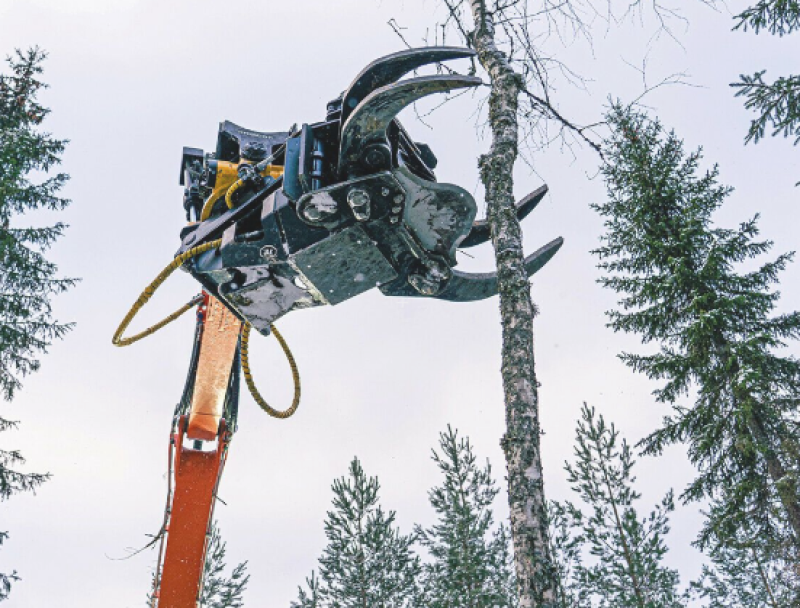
<point>144,297</point>
<point>248,377</point>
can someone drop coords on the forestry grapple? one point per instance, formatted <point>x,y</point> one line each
<point>279,221</point>
<point>327,211</point>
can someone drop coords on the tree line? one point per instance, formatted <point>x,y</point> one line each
<point>609,551</point>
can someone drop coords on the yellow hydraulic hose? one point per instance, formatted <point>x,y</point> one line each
<point>148,292</point>
<point>208,206</point>
<point>248,377</point>
<point>229,194</point>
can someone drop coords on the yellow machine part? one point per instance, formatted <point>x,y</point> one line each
<point>227,174</point>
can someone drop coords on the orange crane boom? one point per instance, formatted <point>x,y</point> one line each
<point>196,470</point>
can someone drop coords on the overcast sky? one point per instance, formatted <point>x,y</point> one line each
<point>132,81</point>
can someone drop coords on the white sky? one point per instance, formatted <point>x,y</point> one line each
<point>131,83</point>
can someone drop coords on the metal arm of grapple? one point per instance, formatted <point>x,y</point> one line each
<point>197,472</point>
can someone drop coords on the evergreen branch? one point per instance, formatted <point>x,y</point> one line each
<point>776,104</point>
<point>779,17</point>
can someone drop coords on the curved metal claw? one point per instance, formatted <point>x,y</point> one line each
<point>364,134</point>
<point>391,68</point>
<point>470,287</point>
<point>480,233</point>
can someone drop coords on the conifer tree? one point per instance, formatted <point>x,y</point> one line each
<point>471,565</point>
<point>752,575</point>
<point>367,563</point>
<point>219,589</point>
<point>27,279</point>
<point>627,569</point>
<point>714,324</point>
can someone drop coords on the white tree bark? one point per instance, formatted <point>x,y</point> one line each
<point>536,573</point>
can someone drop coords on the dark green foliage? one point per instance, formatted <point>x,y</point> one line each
<point>775,16</point>
<point>753,576</point>
<point>627,552</point>
<point>471,565</point>
<point>221,590</point>
<point>367,563</point>
<point>27,279</point>
<point>777,105</point>
<point>714,325</point>
<point>12,481</point>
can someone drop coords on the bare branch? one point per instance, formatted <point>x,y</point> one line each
<point>548,111</point>
<point>392,23</point>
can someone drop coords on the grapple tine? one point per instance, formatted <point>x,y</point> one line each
<point>363,136</point>
<point>480,233</point>
<point>473,286</point>
<point>469,287</point>
<point>391,68</point>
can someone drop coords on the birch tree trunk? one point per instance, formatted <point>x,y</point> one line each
<point>536,574</point>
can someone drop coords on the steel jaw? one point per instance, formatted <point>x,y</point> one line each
<point>391,68</point>
<point>473,286</point>
<point>368,110</point>
<point>364,146</point>
<point>480,229</point>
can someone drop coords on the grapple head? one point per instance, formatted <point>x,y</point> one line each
<point>324,212</point>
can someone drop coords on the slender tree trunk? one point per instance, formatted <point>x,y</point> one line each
<point>536,573</point>
<point>637,587</point>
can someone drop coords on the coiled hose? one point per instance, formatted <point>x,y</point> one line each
<point>147,293</point>
<point>248,377</point>
<point>144,297</point>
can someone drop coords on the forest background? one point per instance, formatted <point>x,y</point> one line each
<point>134,81</point>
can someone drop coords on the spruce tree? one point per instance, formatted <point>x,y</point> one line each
<point>714,325</point>
<point>626,570</point>
<point>27,278</point>
<point>367,563</point>
<point>471,565</point>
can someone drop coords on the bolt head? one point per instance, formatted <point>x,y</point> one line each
<point>357,197</point>
<point>377,156</point>
<point>312,214</point>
